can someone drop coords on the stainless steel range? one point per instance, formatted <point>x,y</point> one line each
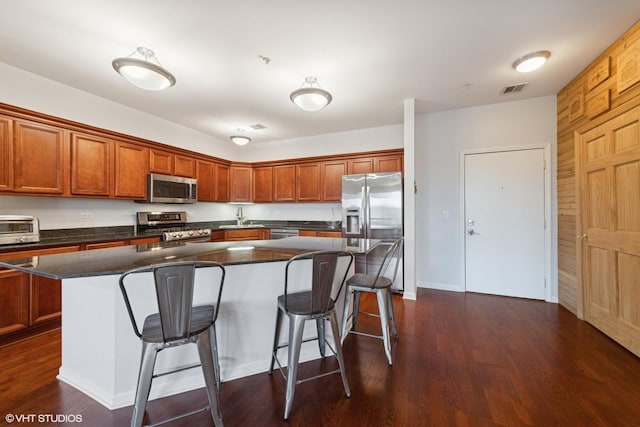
<point>172,226</point>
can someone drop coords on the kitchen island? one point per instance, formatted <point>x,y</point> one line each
<point>100,353</point>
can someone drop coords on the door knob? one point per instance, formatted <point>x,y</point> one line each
<point>471,232</point>
<point>582,237</point>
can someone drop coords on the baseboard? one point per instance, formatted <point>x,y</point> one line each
<point>441,286</point>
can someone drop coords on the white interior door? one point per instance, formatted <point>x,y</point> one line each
<point>504,223</point>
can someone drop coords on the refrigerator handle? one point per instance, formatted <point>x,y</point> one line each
<point>363,212</point>
<point>367,212</point>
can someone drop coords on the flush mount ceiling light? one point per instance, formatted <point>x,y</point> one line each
<point>240,139</point>
<point>532,61</point>
<point>311,98</point>
<point>142,72</point>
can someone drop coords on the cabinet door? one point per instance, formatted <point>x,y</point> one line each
<point>91,165</point>
<point>131,170</point>
<point>388,164</point>
<point>6,154</point>
<point>204,174</point>
<point>14,301</point>
<point>362,165</point>
<point>145,240</point>
<point>308,182</point>
<point>240,183</point>
<point>185,166</point>
<point>104,245</point>
<point>46,299</point>
<point>308,233</point>
<point>263,184</point>
<point>222,185</point>
<point>246,234</point>
<point>334,234</point>
<point>332,173</point>
<point>284,183</point>
<point>217,236</point>
<point>39,158</point>
<point>264,234</point>
<point>161,162</point>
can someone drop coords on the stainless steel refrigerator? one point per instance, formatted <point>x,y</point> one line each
<point>372,209</point>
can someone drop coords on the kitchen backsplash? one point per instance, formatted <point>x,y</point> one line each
<point>55,212</point>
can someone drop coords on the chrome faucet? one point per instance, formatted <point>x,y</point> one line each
<point>240,217</point>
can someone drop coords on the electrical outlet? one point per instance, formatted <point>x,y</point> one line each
<point>86,215</point>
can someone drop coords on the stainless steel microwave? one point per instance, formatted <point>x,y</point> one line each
<point>171,189</point>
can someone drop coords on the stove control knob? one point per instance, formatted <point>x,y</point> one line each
<point>22,239</point>
<point>190,233</point>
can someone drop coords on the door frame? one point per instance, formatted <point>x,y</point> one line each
<point>548,294</point>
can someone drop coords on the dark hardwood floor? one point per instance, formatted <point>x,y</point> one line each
<point>461,360</point>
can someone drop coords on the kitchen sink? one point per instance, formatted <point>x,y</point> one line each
<point>242,226</point>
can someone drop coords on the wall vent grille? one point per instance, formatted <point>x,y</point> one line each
<point>507,90</point>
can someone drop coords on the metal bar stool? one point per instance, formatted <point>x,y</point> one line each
<point>329,272</point>
<point>380,284</point>
<point>176,323</point>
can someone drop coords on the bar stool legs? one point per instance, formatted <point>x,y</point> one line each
<point>385,310</point>
<point>296,329</point>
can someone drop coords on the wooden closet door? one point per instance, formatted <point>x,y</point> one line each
<point>609,220</point>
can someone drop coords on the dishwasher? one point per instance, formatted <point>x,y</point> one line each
<point>281,233</point>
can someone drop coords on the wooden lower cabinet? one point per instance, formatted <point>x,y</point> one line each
<point>320,233</point>
<point>14,301</point>
<point>240,235</point>
<point>104,245</point>
<point>46,299</point>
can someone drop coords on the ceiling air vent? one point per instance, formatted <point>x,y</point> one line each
<point>258,126</point>
<point>513,89</point>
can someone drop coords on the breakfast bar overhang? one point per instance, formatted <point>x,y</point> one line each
<point>100,353</point>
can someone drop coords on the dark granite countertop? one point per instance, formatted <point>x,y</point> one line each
<point>112,261</point>
<point>78,236</point>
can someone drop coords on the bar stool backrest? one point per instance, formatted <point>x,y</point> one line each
<point>323,291</point>
<point>174,289</point>
<point>394,253</point>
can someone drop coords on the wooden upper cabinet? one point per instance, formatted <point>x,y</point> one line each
<point>361,165</point>
<point>206,185</point>
<point>6,154</point>
<point>308,182</point>
<point>161,162</point>
<point>263,184</point>
<point>131,170</point>
<point>284,183</point>
<point>331,174</point>
<point>388,164</point>
<point>40,158</point>
<point>240,177</point>
<point>222,184</point>
<point>91,165</point>
<point>185,166</point>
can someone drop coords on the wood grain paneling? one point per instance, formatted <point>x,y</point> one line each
<point>611,73</point>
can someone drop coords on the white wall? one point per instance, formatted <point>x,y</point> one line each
<point>440,137</point>
<point>372,139</point>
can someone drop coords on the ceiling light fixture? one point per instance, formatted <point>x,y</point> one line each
<point>311,98</point>
<point>142,72</point>
<point>240,140</point>
<point>532,61</point>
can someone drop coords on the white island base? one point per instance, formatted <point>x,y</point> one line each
<point>101,353</point>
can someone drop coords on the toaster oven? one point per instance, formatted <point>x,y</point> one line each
<point>19,229</point>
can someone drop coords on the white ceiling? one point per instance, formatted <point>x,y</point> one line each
<point>370,54</point>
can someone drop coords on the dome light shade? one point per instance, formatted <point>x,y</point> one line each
<point>142,72</point>
<point>531,62</point>
<point>311,98</point>
<point>240,140</point>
